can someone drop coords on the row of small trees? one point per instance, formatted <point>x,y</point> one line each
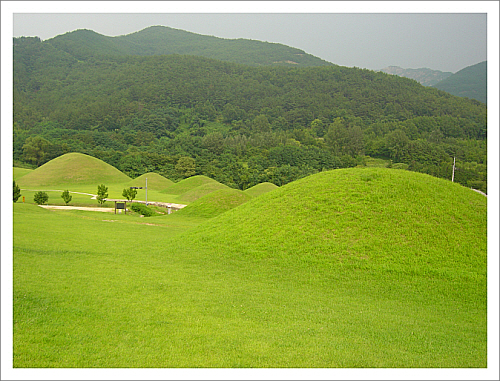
<point>102,193</point>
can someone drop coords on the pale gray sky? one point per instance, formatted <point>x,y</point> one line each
<point>440,41</point>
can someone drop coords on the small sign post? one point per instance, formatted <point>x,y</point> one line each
<point>121,205</point>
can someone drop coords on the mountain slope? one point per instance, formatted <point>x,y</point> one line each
<point>159,40</point>
<point>470,82</point>
<point>425,76</point>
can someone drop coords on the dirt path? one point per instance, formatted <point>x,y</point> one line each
<point>77,208</point>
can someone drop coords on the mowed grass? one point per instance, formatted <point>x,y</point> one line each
<point>348,268</point>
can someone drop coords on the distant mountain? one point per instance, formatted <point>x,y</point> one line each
<point>425,76</point>
<point>160,40</point>
<point>469,82</point>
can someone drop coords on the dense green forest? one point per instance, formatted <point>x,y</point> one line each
<point>180,115</point>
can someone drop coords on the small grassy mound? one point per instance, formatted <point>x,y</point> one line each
<point>261,188</point>
<point>204,189</point>
<point>73,168</point>
<point>215,203</point>
<point>188,184</point>
<point>155,181</point>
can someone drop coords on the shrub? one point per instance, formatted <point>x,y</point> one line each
<point>17,192</point>
<point>41,198</point>
<point>142,209</point>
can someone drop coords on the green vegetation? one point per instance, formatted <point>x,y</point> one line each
<point>41,198</point>
<point>66,196</point>
<point>361,267</point>
<point>470,82</point>
<point>16,192</point>
<point>182,115</point>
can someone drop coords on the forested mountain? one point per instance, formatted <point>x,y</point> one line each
<point>179,115</point>
<point>160,40</point>
<point>425,76</point>
<point>470,82</point>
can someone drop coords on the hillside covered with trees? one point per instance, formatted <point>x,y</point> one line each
<point>181,115</point>
<point>470,82</point>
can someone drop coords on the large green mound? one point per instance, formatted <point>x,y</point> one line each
<point>386,218</point>
<point>155,181</point>
<point>215,203</point>
<point>73,168</point>
<point>261,188</point>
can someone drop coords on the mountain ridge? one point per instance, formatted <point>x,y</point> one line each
<point>162,40</point>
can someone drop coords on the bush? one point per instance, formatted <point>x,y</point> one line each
<point>41,198</point>
<point>142,209</point>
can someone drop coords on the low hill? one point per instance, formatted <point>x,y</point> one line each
<point>73,168</point>
<point>155,181</point>
<point>160,40</point>
<point>470,82</point>
<point>215,203</point>
<point>425,76</point>
<point>261,188</point>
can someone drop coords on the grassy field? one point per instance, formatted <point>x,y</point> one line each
<point>344,269</point>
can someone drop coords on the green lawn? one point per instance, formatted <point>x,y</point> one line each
<point>360,268</point>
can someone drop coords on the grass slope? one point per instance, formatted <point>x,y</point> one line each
<point>215,203</point>
<point>261,188</point>
<point>349,268</point>
<point>74,169</point>
<point>20,172</point>
<point>155,181</point>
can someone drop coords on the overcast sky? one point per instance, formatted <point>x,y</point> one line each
<point>440,41</point>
